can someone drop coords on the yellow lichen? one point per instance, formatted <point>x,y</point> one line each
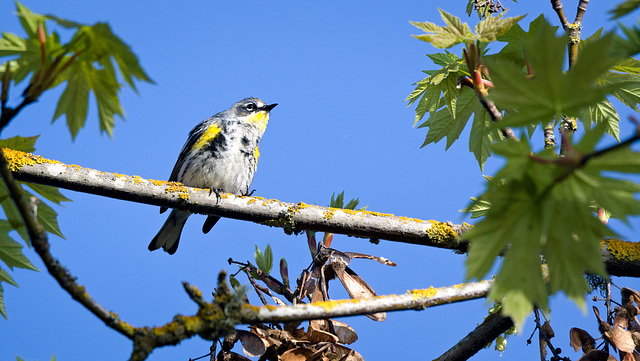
<point>442,233</point>
<point>179,188</point>
<point>252,200</point>
<point>137,179</point>
<point>423,293</point>
<point>328,305</point>
<point>329,214</point>
<point>18,159</point>
<point>623,250</point>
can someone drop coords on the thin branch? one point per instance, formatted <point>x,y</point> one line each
<point>40,243</point>
<point>582,8</point>
<point>557,6</point>
<point>493,326</point>
<point>412,300</point>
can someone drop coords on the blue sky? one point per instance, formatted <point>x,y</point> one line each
<point>340,72</point>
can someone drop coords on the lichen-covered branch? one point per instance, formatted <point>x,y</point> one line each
<point>292,217</point>
<point>412,300</point>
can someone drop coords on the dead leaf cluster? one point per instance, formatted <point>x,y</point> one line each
<point>622,333</point>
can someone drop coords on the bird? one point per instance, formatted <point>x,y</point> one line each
<point>221,154</point>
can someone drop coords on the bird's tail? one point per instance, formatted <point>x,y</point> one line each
<point>169,235</point>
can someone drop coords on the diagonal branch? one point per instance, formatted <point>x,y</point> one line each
<point>38,238</point>
<point>493,326</point>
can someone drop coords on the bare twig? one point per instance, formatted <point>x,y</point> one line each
<point>557,6</point>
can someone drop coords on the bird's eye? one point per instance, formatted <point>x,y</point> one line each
<point>251,107</point>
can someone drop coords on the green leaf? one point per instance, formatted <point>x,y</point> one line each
<point>4,277</point>
<point>627,88</point>
<point>86,63</point>
<point>74,100</point>
<point>337,202</point>
<point>23,144</point>
<point>482,136</point>
<point>268,257</point>
<point>264,260</point>
<point>11,253</point>
<point>51,193</point>
<point>538,206</point>
<point>28,19</point>
<point>444,125</point>
<point>478,208</point>
<point>551,92</point>
<point>601,112</point>
<point>624,8</point>
<point>515,38</point>
<point>13,215</point>
<point>491,27</point>
<point>629,46</point>
<point>454,33</point>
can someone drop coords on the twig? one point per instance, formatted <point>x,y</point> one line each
<point>542,332</point>
<point>582,8</point>
<point>493,326</point>
<point>557,6</point>
<point>411,300</point>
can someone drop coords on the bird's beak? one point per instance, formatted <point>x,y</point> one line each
<point>269,107</point>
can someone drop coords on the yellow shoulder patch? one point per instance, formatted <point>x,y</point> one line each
<point>256,154</point>
<point>208,134</point>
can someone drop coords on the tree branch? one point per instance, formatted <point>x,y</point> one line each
<point>492,327</point>
<point>292,217</point>
<point>412,300</point>
<point>621,258</point>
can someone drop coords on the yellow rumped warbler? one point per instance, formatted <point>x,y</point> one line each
<point>221,154</point>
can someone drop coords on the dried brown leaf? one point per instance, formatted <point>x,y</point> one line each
<point>317,336</point>
<point>621,336</point>
<point>344,332</point>
<point>296,354</point>
<point>581,339</point>
<point>252,344</point>
<point>358,289</point>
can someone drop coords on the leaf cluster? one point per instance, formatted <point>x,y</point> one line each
<point>87,63</point>
<point>555,238</point>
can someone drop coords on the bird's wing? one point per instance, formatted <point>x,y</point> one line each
<point>195,135</point>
